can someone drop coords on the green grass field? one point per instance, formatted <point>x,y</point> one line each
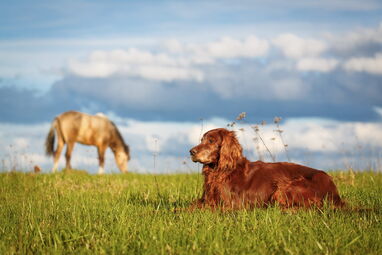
<point>77,213</point>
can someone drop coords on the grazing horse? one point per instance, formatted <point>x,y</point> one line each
<point>97,130</point>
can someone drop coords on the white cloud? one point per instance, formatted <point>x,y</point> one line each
<point>317,64</point>
<point>196,132</point>
<point>231,48</point>
<point>369,133</point>
<point>378,110</point>
<point>288,88</point>
<point>173,46</point>
<point>328,135</point>
<point>350,41</point>
<point>136,63</point>
<point>369,65</point>
<point>38,159</point>
<point>180,62</point>
<point>21,143</point>
<point>168,73</point>
<point>313,135</point>
<point>296,47</point>
<point>92,69</point>
<point>174,60</point>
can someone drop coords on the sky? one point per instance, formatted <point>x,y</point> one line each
<point>167,71</point>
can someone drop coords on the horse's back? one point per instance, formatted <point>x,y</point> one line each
<point>83,128</point>
<point>69,124</point>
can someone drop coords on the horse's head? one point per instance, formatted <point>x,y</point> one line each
<point>121,158</point>
<point>120,149</point>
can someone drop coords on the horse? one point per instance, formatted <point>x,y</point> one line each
<point>96,130</point>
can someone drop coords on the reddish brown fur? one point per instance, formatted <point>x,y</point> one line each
<point>231,181</point>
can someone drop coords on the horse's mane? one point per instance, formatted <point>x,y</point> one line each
<point>119,137</point>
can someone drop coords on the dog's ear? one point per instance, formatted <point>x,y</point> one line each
<point>230,151</point>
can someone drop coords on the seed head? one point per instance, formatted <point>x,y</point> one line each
<point>241,116</point>
<point>277,120</point>
<point>256,128</point>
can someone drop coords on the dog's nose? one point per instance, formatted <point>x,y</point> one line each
<point>192,152</point>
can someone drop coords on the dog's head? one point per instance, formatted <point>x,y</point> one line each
<point>220,147</point>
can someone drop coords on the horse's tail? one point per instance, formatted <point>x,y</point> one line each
<point>127,149</point>
<point>49,142</point>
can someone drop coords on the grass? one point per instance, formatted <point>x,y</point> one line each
<point>77,213</point>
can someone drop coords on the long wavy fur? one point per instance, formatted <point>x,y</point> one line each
<point>230,152</point>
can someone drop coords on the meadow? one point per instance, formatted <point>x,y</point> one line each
<point>72,212</point>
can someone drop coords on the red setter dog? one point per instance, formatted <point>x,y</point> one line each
<point>231,181</point>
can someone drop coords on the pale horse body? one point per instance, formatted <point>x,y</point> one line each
<point>97,130</point>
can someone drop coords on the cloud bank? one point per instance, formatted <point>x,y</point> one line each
<point>162,147</point>
<point>288,75</point>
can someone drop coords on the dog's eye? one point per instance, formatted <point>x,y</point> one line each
<point>211,141</point>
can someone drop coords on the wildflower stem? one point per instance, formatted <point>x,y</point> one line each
<point>256,129</point>
<point>282,140</point>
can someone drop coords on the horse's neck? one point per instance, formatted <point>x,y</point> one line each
<point>116,143</point>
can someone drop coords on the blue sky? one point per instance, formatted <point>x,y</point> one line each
<point>89,19</point>
<point>159,62</point>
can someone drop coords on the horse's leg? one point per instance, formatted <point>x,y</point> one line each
<point>68,154</point>
<point>57,153</point>
<point>101,157</point>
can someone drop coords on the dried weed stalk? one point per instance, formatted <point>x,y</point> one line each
<point>277,121</point>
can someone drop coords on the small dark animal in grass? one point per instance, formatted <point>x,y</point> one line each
<point>232,182</point>
<point>97,130</point>
<point>36,169</point>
